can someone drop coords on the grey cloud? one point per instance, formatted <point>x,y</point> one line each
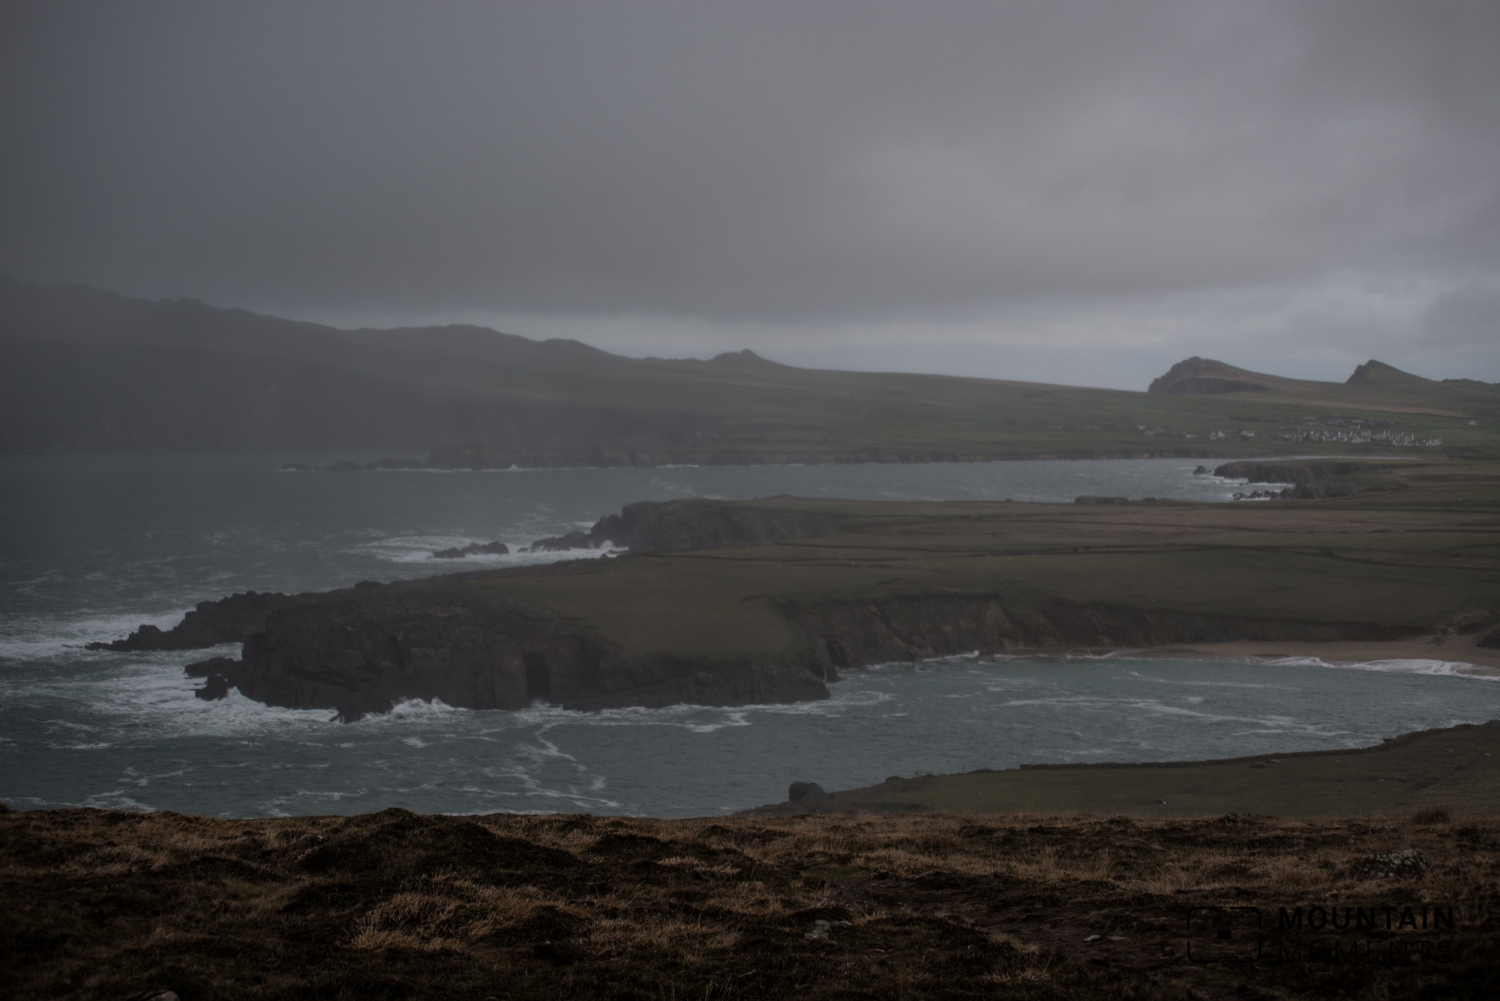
<point>1468,314</point>
<point>803,163</point>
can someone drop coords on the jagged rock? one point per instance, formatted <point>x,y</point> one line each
<point>805,792</point>
<point>1201,471</point>
<point>1405,864</point>
<point>561,543</point>
<point>472,549</point>
<point>212,666</point>
<point>228,620</point>
<point>214,688</point>
<point>219,675</point>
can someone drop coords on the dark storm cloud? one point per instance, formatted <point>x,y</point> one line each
<point>788,163</point>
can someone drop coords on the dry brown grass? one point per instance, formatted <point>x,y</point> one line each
<point>913,905</point>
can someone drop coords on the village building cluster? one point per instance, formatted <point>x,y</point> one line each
<point>1333,429</point>
<point>1360,436</point>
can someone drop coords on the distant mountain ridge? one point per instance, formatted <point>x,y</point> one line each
<point>82,369</point>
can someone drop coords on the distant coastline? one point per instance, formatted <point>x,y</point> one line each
<point>181,374</point>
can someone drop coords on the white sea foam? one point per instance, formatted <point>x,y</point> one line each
<point>734,719</point>
<point>417,550</point>
<point>1436,668</point>
<point>47,637</point>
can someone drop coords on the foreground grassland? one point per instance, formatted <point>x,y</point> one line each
<point>1458,767</point>
<point>395,905</point>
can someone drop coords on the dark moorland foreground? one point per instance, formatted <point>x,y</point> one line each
<point>732,603</point>
<point>83,369</point>
<point>1050,904</point>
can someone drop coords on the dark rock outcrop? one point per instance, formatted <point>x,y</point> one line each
<point>360,651</point>
<point>1093,499</point>
<point>472,549</point>
<point>805,792</point>
<point>228,620</point>
<point>219,675</point>
<point>1309,480</point>
<point>208,668</point>
<point>215,687</point>
<point>563,543</point>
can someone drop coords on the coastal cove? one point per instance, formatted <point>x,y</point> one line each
<point>132,736</point>
<point>124,730</point>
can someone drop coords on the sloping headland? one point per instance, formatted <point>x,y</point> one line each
<point>730,603</point>
<point>85,369</point>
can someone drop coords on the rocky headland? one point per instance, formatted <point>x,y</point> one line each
<point>211,623</point>
<point>729,603</point>
<point>1312,479</point>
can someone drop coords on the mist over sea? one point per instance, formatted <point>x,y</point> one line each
<point>91,546</point>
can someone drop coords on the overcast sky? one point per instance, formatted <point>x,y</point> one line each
<point>1072,192</point>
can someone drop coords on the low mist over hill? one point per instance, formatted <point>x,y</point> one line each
<point>85,369</point>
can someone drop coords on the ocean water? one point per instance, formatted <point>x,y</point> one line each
<point>92,546</point>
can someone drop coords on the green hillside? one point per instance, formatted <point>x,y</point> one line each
<point>83,369</point>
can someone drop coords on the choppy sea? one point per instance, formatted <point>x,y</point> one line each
<point>93,545</point>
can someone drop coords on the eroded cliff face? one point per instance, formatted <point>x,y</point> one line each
<point>228,620</point>
<point>857,634</point>
<point>362,650</point>
<point>1310,480</point>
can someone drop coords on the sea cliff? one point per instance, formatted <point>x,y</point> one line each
<point>730,603</point>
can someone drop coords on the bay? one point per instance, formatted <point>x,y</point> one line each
<point>93,545</point>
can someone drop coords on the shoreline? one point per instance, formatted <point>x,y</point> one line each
<point>1461,653</point>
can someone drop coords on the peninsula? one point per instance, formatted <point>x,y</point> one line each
<point>730,603</point>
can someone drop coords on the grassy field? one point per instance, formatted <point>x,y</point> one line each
<point>1458,768</point>
<point>1419,555</point>
<point>104,905</point>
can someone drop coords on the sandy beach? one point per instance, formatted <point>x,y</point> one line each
<point>1460,654</point>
